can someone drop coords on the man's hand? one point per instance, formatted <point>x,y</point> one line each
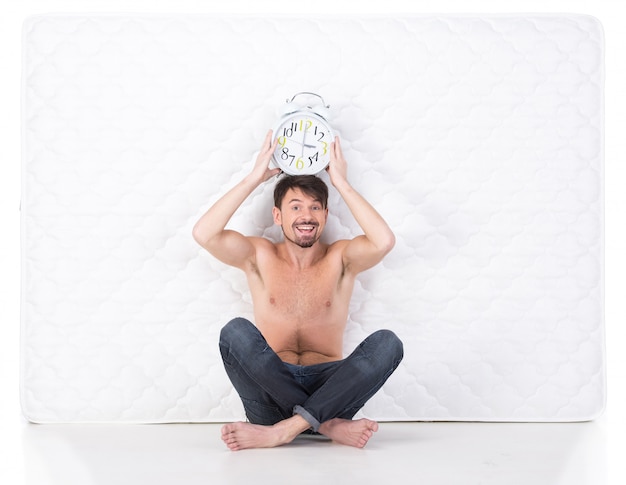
<point>338,167</point>
<point>261,171</point>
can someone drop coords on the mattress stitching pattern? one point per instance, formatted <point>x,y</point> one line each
<point>478,138</point>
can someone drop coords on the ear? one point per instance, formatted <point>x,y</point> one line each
<point>278,220</point>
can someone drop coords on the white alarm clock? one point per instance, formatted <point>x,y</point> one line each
<point>304,137</point>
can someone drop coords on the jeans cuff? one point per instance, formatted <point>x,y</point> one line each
<point>308,417</point>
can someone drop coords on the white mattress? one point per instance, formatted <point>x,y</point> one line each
<point>480,140</point>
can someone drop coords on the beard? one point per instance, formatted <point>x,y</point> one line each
<point>303,241</point>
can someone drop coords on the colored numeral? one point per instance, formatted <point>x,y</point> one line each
<point>309,123</point>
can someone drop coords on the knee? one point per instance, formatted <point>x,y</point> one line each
<point>234,332</point>
<point>388,343</point>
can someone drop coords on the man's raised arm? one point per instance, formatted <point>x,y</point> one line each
<point>367,250</point>
<point>229,246</point>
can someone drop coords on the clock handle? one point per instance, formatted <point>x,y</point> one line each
<point>310,94</point>
<point>322,110</point>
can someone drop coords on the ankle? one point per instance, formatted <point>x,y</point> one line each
<point>327,426</point>
<point>288,429</point>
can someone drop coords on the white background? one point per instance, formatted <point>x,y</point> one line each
<point>12,14</point>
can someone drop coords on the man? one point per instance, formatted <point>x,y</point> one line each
<point>288,367</point>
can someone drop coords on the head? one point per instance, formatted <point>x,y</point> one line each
<point>300,208</point>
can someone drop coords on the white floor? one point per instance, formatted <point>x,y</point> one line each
<point>429,453</point>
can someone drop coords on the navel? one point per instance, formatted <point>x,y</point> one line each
<point>272,300</point>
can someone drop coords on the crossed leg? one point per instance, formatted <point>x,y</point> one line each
<point>262,380</point>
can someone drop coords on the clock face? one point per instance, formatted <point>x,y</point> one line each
<point>303,144</point>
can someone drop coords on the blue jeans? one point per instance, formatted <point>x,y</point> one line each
<point>272,390</point>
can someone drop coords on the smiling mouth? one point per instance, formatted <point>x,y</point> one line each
<point>306,234</point>
<point>305,228</point>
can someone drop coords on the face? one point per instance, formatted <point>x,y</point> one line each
<point>301,217</point>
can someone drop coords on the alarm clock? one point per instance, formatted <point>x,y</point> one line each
<point>304,137</point>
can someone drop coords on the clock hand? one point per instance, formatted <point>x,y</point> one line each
<point>299,143</point>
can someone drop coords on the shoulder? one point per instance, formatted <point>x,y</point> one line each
<point>359,254</point>
<point>263,246</point>
<point>338,246</point>
<point>263,255</point>
<point>336,252</point>
<point>266,251</point>
<point>261,242</point>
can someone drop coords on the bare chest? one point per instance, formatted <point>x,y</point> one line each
<point>302,295</point>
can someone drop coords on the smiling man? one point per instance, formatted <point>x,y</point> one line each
<point>288,366</point>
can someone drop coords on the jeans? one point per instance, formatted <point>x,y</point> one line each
<point>272,390</point>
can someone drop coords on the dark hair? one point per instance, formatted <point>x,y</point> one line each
<point>309,184</point>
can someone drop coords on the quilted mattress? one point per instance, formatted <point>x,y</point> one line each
<point>479,139</point>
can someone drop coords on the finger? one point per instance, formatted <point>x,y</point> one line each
<point>269,146</point>
<point>336,149</point>
<point>274,171</point>
<point>268,140</point>
<point>339,149</point>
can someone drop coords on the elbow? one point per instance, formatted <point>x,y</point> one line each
<point>197,235</point>
<point>204,237</point>
<point>388,243</point>
<point>391,242</point>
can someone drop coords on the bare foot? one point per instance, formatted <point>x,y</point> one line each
<point>241,436</point>
<point>347,432</point>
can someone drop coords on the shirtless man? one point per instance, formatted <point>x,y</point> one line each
<point>288,368</point>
